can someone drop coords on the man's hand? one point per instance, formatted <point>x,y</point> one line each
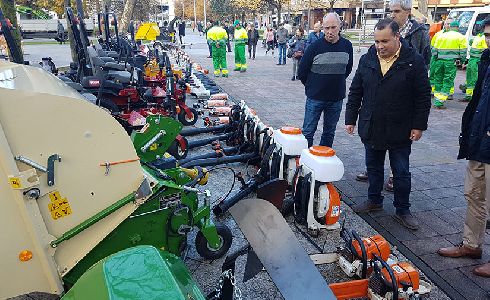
<point>415,134</point>
<point>350,128</point>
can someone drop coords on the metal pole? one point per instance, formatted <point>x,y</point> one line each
<point>361,12</point>
<point>309,14</point>
<point>195,18</point>
<point>205,22</point>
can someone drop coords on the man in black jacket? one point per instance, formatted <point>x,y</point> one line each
<point>390,95</point>
<point>417,37</point>
<point>474,145</point>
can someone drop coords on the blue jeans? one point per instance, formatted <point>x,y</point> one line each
<point>402,183</point>
<point>282,53</point>
<point>331,114</point>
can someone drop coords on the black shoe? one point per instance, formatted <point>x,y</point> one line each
<point>294,78</point>
<point>407,221</point>
<point>367,206</point>
<point>279,64</point>
<point>488,224</point>
<point>362,177</point>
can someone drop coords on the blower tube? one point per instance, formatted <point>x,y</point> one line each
<point>202,142</point>
<point>196,131</point>
<point>214,154</point>
<point>224,205</point>
<point>219,160</point>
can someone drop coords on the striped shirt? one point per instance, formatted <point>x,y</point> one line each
<point>324,68</point>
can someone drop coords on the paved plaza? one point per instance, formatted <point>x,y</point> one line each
<point>437,177</point>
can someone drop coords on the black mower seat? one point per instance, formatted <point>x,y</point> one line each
<point>101,52</point>
<point>119,76</point>
<point>112,66</point>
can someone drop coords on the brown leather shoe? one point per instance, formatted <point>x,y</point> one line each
<point>460,251</point>
<point>483,270</point>
<point>362,177</point>
<point>407,221</point>
<point>367,206</point>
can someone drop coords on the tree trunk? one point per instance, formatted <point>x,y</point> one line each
<point>8,8</point>
<point>332,3</point>
<point>71,39</point>
<point>423,7</point>
<point>242,17</point>
<point>127,14</point>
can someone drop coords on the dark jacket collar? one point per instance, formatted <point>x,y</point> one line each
<point>415,27</point>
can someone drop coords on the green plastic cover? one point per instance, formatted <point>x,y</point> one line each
<point>142,272</point>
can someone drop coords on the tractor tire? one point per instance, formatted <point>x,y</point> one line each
<point>206,251</point>
<point>186,121</point>
<point>176,150</point>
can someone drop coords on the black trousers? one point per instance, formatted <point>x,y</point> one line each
<point>252,47</point>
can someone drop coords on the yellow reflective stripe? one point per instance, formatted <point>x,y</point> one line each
<point>469,91</point>
<point>216,72</point>
<point>433,88</point>
<point>440,96</point>
<point>451,91</point>
<point>225,71</point>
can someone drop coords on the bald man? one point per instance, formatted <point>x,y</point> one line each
<point>323,70</point>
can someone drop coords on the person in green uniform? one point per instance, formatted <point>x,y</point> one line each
<point>433,59</point>
<point>217,38</point>
<point>477,46</point>
<point>241,39</point>
<point>451,47</point>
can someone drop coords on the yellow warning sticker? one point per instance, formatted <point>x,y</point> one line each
<point>15,182</point>
<point>153,147</point>
<point>59,207</point>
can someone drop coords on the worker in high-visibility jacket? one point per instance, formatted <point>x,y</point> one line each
<point>433,59</point>
<point>478,45</point>
<point>241,39</point>
<point>451,49</point>
<point>217,38</point>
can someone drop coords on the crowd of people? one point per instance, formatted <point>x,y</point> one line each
<point>396,83</point>
<point>289,40</point>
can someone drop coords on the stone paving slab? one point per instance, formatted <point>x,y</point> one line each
<point>437,180</point>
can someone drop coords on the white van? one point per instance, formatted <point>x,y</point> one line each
<point>467,18</point>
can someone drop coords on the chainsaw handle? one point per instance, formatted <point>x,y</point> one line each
<point>363,253</point>
<point>377,271</point>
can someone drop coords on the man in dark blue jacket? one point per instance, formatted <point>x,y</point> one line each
<point>323,69</point>
<point>474,145</point>
<point>389,99</point>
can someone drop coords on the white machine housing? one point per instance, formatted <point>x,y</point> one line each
<point>291,142</point>
<point>324,170</point>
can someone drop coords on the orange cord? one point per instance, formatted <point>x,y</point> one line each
<point>119,162</point>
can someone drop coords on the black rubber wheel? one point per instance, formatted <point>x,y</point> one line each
<point>108,104</point>
<point>206,251</point>
<point>185,120</point>
<point>176,150</point>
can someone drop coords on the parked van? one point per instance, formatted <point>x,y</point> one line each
<point>467,18</point>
